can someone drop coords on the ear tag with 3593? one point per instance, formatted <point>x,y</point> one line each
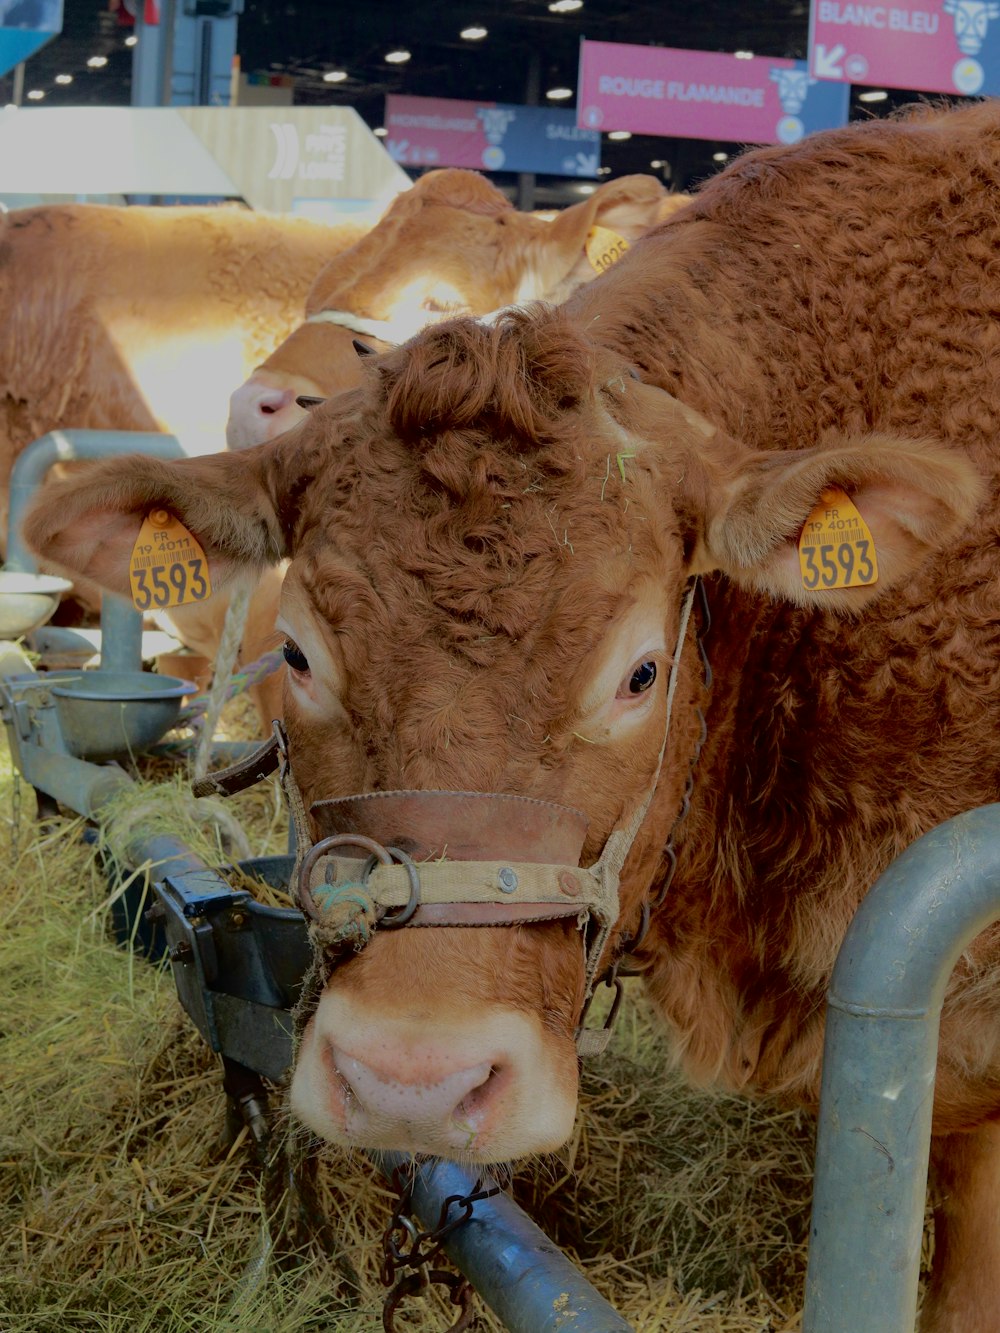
<point>167,566</point>
<point>836,548</point>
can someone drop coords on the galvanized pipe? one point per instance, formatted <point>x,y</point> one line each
<point>121,635</point>
<point>878,1074</point>
<point>522,1276</point>
<point>64,446</point>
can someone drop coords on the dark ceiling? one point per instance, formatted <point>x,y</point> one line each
<point>525,43</point>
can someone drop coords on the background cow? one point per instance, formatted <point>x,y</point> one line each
<point>489,543</point>
<point>143,319</point>
<point>451,245</point>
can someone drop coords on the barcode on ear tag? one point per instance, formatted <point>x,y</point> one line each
<point>167,566</point>
<point>604,247</point>
<point>836,548</point>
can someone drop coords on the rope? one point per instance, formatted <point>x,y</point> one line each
<point>232,638</point>
<point>251,674</point>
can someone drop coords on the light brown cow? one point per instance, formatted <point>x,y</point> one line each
<point>451,245</point>
<point>489,545</point>
<point>144,319</point>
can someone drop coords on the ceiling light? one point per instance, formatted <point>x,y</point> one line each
<point>335,76</point>
<point>97,62</point>
<point>656,164</point>
<point>743,55</point>
<point>585,189</point>
<point>565,6</point>
<point>876,95</point>
<point>620,134</point>
<point>604,171</point>
<point>35,95</point>
<point>64,78</point>
<point>381,132</point>
<point>473,34</point>
<point>397,57</point>
<point>559,94</point>
<point>132,40</point>
<point>720,157</point>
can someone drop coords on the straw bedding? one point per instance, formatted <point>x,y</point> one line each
<point>124,1205</point>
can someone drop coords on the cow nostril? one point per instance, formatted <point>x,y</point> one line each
<point>478,1099</point>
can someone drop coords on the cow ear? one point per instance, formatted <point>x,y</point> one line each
<point>87,525</point>
<point>628,207</point>
<point>914,496</point>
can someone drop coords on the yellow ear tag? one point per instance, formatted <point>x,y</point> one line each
<point>167,567</point>
<point>604,248</point>
<point>836,549</point>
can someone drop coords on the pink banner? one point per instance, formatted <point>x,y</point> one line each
<point>702,95</point>
<point>938,46</point>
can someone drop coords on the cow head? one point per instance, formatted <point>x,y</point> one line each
<point>489,543</point>
<point>453,244</point>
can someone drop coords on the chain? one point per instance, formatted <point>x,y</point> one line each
<point>404,1247</point>
<point>624,965</point>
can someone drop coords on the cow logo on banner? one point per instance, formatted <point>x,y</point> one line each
<point>971,18</point>
<point>495,120</point>
<point>793,89</point>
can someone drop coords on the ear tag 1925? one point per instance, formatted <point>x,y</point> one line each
<point>604,247</point>
<point>167,566</point>
<point>836,549</point>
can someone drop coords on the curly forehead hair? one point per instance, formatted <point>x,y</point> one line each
<point>515,378</point>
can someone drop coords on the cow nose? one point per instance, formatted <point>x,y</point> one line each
<point>259,412</point>
<point>447,1110</point>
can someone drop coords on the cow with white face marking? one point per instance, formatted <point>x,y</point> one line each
<point>452,245</point>
<point>790,393</point>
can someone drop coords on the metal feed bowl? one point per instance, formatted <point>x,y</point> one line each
<point>111,714</point>
<point>27,600</point>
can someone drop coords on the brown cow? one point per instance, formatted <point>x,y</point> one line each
<point>453,244</point>
<point>489,544</point>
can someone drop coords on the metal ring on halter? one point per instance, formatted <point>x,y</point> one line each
<point>402,914</point>
<point>378,856</point>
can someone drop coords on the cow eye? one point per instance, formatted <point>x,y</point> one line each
<point>294,656</point>
<point>435,306</point>
<point>639,680</point>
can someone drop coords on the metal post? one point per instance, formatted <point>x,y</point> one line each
<point>532,89</point>
<point>878,1074</point>
<point>522,1276</point>
<point>17,97</point>
<point>165,54</point>
<point>121,635</point>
